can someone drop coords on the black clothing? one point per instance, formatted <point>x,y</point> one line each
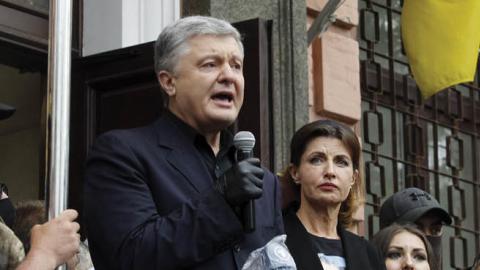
<point>358,253</point>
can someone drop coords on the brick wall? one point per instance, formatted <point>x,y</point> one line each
<point>334,72</point>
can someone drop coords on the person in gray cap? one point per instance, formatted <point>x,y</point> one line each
<point>416,206</point>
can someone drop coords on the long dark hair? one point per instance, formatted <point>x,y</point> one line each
<point>384,237</point>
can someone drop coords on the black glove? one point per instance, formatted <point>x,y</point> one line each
<point>244,182</point>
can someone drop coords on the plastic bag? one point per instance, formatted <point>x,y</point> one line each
<point>273,256</point>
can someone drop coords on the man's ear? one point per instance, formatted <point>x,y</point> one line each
<point>167,81</point>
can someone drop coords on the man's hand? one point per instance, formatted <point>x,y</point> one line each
<point>244,182</point>
<point>53,243</point>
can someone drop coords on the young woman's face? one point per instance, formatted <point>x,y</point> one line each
<point>407,251</point>
<point>325,173</point>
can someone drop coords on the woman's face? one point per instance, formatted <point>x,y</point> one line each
<point>325,173</point>
<point>406,251</point>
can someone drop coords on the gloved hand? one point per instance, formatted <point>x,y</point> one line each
<point>244,182</point>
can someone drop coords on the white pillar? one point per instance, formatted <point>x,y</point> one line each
<point>59,63</point>
<point>113,24</point>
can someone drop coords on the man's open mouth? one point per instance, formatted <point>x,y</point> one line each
<point>223,96</point>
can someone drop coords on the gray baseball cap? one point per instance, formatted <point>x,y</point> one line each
<point>6,111</point>
<point>409,205</point>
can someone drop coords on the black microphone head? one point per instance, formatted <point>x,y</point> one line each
<point>244,141</point>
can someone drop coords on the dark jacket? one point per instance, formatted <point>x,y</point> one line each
<point>359,254</point>
<point>150,204</point>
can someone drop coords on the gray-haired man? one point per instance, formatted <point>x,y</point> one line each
<point>166,196</point>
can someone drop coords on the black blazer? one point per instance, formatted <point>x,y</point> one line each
<point>150,204</point>
<point>359,254</point>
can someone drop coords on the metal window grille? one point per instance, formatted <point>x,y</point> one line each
<point>432,144</point>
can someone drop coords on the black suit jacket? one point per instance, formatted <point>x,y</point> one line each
<point>150,204</point>
<point>359,254</point>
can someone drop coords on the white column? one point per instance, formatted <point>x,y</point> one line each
<point>59,63</point>
<point>113,24</point>
<point>102,26</point>
<point>143,20</point>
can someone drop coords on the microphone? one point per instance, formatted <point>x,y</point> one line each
<point>244,141</point>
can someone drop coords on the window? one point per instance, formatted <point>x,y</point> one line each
<point>433,144</point>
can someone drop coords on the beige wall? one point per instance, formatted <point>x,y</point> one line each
<point>334,72</point>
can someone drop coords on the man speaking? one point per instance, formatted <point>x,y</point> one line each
<point>170,195</point>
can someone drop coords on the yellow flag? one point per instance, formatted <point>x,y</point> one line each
<point>442,40</point>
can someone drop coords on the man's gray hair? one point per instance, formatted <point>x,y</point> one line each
<point>172,41</point>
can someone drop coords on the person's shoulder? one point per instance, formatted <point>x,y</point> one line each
<point>361,244</point>
<point>120,142</point>
<point>350,236</point>
<point>138,135</point>
<point>270,180</point>
<point>269,175</point>
<point>129,133</point>
<point>10,245</point>
<point>290,220</point>
<point>373,253</point>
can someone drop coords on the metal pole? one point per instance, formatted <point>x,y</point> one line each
<point>58,107</point>
<point>323,20</point>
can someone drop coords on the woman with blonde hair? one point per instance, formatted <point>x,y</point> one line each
<point>326,183</point>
